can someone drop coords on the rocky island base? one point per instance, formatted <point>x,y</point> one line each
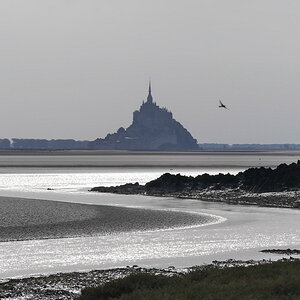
<point>278,187</point>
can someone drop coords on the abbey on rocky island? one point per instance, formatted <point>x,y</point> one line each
<point>153,128</point>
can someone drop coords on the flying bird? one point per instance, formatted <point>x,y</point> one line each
<point>222,105</point>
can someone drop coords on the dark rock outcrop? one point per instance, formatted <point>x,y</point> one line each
<point>257,180</point>
<point>282,251</point>
<point>153,128</point>
<point>283,178</point>
<point>256,186</point>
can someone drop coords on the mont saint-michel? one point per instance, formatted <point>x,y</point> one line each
<point>153,128</point>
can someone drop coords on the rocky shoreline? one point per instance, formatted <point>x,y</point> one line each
<point>67,286</point>
<point>267,187</point>
<point>229,196</point>
<point>282,251</point>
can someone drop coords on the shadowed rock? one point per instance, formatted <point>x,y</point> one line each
<point>243,188</point>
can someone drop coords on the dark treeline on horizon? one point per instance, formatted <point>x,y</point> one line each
<point>43,144</point>
<point>71,144</point>
<point>245,147</point>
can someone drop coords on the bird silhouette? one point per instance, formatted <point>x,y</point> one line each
<point>222,105</point>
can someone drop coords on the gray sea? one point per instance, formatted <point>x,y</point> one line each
<point>50,222</point>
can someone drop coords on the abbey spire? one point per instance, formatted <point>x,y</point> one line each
<point>149,98</point>
<point>152,128</point>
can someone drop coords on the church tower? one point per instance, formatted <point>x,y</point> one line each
<point>152,128</point>
<point>149,98</point>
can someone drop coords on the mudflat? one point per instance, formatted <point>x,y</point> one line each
<point>25,219</point>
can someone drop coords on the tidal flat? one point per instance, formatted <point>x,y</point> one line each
<point>27,219</point>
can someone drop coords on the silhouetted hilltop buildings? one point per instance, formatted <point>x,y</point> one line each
<point>153,128</point>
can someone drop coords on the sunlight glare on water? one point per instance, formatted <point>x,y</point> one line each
<point>78,179</point>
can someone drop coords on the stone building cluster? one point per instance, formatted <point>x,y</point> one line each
<point>152,128</point>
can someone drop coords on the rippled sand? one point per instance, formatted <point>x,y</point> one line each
<point>25,219</point>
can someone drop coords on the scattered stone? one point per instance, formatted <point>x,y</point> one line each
<point>67,286</point>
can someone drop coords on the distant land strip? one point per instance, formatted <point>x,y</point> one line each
<point>71,144</point>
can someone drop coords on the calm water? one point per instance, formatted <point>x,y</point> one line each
<point>240,232</point>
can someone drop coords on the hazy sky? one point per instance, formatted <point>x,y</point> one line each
<point>79,68</point>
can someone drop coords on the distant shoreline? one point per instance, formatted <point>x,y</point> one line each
<point>170,161</point>
<point>295,152</point>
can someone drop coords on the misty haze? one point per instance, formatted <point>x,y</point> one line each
<point>79,69</point>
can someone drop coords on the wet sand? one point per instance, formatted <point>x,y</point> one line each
<point>116,159</point>
<point>27,219</point>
